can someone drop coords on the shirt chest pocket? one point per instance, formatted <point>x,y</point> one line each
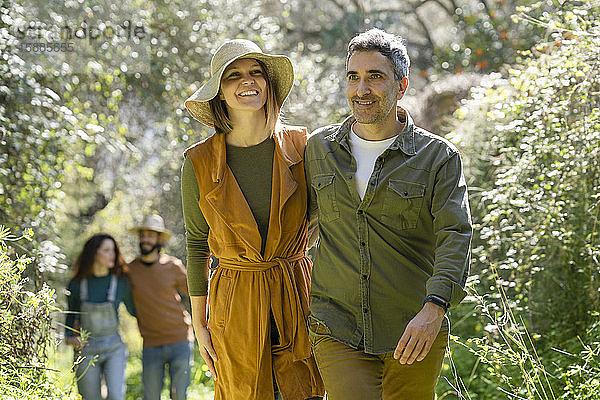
<point>402,204</point>
<point>324,187</point>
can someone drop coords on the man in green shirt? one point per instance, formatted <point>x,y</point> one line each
<point>394,236</point>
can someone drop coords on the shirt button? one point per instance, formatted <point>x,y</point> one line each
<point>365,310</point>
<point>365,277</point>
<point>360,212</point>
<point>363,244</point>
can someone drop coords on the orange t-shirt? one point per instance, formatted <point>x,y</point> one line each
<point>161,317</point>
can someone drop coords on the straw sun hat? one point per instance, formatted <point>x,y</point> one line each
<point>152,222</point>
<point>278,68</point>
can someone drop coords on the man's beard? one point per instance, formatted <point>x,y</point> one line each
<point>145,252</point>
<point>385,106</point>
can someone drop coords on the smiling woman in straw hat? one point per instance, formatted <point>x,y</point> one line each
<point>244,200</point>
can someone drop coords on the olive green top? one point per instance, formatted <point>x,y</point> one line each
<point>379,257</point>
<point>253,170</point>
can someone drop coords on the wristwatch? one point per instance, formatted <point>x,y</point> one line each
<point>437,301</point>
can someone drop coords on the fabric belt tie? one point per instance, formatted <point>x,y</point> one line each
<point>297,329</point>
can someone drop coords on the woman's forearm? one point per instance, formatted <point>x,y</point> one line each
<point>198,304</point>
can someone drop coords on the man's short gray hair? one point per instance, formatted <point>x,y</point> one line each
<point>391,46</point>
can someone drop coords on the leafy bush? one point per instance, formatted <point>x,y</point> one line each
<point>512,367</point>
<point>582,379</point>
<point>532,144</point>
<point>25,331</point>
<point>539,219</point>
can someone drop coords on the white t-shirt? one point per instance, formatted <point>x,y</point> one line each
<point>365,153</point>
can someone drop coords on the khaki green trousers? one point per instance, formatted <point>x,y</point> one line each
<point>351,374</point>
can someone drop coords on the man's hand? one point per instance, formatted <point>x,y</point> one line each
<point>206,349</point>
<point>419,334</point>
<point>75,341</point>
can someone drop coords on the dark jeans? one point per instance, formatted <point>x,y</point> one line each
<point>177,357</point>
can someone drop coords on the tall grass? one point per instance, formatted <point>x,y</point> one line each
<point>507,363</point>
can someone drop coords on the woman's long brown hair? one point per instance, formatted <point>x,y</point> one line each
<point>83,267</point>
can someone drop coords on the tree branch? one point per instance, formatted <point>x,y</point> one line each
<point>449,11</point>
<point>337,4</point>
<point>487,8</point>
<point>358,5</point>
<point>425,29</point>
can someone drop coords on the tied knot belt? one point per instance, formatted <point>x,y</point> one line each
<point>259,266</point>
<point>295,325</point>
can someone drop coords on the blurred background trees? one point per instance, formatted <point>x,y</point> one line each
<point>93,139</point>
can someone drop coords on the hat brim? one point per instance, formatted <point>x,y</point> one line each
<point>279,69</point>
<point>136,231</point>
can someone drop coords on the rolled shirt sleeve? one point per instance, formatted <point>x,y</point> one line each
<point>453,231</point>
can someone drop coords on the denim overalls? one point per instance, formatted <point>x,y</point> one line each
<point>104,353</point>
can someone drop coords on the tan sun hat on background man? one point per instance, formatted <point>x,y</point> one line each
<point>152,222</point>
<point>278,68</point>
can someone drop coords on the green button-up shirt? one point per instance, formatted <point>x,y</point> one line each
<point>378,258</point>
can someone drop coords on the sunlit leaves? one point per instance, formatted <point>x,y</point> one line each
<point>538,171</point>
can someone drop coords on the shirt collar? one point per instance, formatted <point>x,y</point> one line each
<point>405,140</point>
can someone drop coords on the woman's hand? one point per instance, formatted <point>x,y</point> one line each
<point>206,349</point>
<point>202,333</point>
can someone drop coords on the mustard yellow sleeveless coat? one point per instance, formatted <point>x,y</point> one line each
<point>247,287</point>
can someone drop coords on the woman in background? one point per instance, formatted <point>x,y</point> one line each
<point>95,292</point>
<point>244,200</point>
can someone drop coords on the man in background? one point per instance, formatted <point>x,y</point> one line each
<point>157,280</point>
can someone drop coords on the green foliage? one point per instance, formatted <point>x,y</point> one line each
<point>33,130</point>
<point>53,134</point>
<point>508,365</point>
<point>509,354</point>
<point>487,36</point>
<point>533,147</point>
<point>25,331</point>
<point>541,219</point>
<point>582,379</point>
